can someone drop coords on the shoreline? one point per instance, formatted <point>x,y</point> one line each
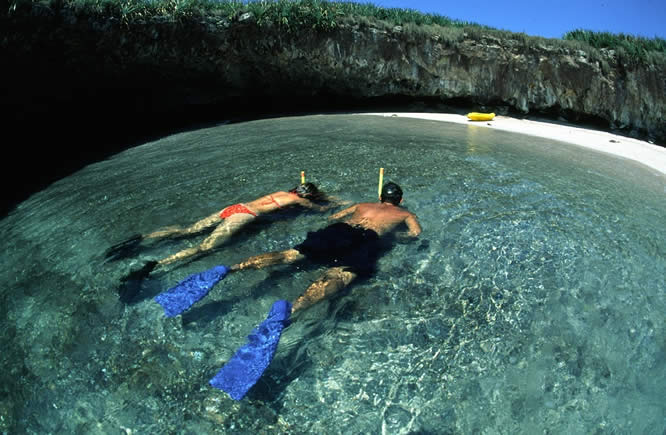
<point>652,156</point>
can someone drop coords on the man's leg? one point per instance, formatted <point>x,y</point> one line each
<point>333,280</point>
<point>262,260</point>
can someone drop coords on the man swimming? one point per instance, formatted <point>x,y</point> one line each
<point>350,248</point>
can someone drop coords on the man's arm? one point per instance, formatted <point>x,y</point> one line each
<point>343,213</point>
<point>413,225</point>
<point>413,229</point>
<point>336,202</point>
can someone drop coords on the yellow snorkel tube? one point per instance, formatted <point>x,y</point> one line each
<point>381,183</point>
<point>302,177</point>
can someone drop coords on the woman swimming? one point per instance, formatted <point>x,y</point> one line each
<point>234,217</point>
<point>229,221</point>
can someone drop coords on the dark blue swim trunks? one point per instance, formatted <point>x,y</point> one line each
<point>354,248</point>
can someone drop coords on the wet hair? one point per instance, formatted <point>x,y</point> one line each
<point>392,193</point>
<point>307,190</point>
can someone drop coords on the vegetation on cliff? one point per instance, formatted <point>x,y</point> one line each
<point>632,47</point>
<point>323,15</point>
<point>293,16</point>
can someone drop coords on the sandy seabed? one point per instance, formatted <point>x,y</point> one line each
<point>652,156</point>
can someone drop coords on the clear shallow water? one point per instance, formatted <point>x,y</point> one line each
<point>533,302</point>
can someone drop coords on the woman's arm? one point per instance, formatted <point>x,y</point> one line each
<point>311,205</point>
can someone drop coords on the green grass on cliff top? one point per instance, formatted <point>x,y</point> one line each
<point>323,15</point>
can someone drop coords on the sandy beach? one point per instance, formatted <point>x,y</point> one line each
<point>652,156</point>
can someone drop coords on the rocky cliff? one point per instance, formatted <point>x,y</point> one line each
<point>212,60</point>
<point>69,67</point>
<point>500,74</point>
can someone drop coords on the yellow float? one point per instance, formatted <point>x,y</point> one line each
<point>476,116</point>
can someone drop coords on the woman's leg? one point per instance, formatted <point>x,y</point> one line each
<point>333,280</point>
<point>192,229</point>
<point>221,234</point>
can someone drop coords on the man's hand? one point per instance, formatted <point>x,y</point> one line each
<point>404,236</point>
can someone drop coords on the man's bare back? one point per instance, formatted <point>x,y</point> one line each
<point>380,217</point>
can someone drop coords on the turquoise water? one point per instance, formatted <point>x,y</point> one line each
<point>533,301</point>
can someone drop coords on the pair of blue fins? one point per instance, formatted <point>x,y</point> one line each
<point>250,361</point>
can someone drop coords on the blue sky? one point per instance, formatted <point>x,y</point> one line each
<point>550,19</point>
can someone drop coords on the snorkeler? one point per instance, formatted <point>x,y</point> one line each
<point>231,219</point>
<point>228,221</point>
<point>350,248</point>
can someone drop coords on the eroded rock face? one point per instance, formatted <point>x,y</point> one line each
<point>214,60</point>
<point>365,63</point>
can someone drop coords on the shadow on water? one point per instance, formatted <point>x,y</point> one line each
<point>296,361</point>
<point>206,313</point>
<point>278,377</point>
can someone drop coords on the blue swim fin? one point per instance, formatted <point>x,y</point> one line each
<point>189,291</point>
<point>249,362</point>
